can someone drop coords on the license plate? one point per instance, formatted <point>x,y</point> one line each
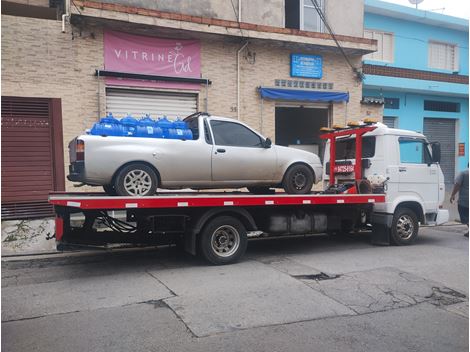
<point>343,169</point>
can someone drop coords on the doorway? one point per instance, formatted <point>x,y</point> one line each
<point>299,127</point>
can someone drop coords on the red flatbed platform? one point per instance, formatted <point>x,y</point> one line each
<point>95,201</point>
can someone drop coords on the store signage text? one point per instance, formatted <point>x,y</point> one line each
<point>130,53</point>
<point>308,66</point>
<point>289,83</point>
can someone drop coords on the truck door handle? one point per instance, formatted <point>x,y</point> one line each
<point>402,169</point>
<point>220,150</point>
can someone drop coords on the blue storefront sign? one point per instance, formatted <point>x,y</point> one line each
<point>310,66</point>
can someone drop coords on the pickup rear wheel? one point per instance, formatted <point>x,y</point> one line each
<point>110,190</point>
<point>260,190</point>
<point>298,180</point>
<point>404,227</point>
<point>223,240</point>
<point>136,180</point>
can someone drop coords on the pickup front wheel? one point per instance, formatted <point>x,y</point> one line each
<point>298,179</point>
<point>136,180</point>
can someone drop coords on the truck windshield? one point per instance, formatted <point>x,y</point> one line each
<point>346,149</point>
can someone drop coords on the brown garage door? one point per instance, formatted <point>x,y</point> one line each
<point>32,156</point>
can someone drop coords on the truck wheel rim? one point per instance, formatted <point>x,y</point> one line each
<point>299,180</point>
<point>405,227</point>
<point>137,182</point>
<point>225,241</point>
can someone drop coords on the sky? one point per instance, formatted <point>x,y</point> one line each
<point>457,8</point>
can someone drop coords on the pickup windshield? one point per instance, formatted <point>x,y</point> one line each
<point>346,149</point>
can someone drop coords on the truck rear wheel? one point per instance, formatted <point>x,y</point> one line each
<point>136,179</point>
<point>223,240</point>
<point>404,227</point>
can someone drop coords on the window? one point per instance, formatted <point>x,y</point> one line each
<point>391,103</point>
<point>49,10</point>
<point>310,20</point>
<point>346,149</point>
<point>234,134</point>
<point>390,121</point>
<point>447,106</point>
<point>301,14</point>
<point>443,56</point>
<point>414,151</point>
<point>192,123</point>
<point>384,46</point>
<point>207,133</point>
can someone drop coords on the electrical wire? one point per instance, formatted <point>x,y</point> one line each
<point>237,18</point>
<point>79,12</point>
<point>327,25</point>
<point>116,224</point>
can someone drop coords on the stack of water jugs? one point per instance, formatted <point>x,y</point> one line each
<point>145,127</point>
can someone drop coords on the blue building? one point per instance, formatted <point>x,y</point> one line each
<point>420,74</point>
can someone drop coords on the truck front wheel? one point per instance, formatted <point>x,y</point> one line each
<point>404,227</point>
<point>223,240</point>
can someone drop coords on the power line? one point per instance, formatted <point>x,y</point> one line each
<point>325,22</point>
<point>237,18</point>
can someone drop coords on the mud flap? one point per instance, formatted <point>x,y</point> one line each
<point>381,227</point>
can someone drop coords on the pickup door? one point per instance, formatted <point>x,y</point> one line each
<point>239,154</point>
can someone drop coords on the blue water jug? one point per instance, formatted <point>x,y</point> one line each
<point>165,125</point>
<point>129,125</point>
<point>148,128</point>
<point>107,126</point>
<point>181,130</point>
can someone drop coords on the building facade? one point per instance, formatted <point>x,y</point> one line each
<point>420,71</point>
<point>272,64</point>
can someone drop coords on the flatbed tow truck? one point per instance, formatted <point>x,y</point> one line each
<point>217,225</point>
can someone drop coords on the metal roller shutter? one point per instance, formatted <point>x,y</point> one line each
<point>27,158</point>
<point>121,102</point>
<point>443,131</point>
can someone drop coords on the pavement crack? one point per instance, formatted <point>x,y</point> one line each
<point>162,303</point>
<point>162,283</point>
<point>39,316</point>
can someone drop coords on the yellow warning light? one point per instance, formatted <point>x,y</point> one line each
<point>326,129</point>
<point>337,127</point>
<point>370,120</point>
<point>354,123</point>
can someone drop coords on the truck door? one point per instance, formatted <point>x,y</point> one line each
<point>417,174</point>
<point>239,154</point>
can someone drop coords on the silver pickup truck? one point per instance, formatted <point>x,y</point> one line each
<point>224,153</point>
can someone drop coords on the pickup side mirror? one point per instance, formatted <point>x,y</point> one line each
<point>436,152</point>
<point>267,143</point>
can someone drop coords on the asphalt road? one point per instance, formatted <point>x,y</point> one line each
<point>300,294</point>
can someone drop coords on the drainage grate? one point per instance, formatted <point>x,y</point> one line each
<point>316,277</point>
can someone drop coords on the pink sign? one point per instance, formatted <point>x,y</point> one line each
<point>152,56</point>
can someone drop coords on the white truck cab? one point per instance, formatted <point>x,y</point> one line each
<point>411,164</point>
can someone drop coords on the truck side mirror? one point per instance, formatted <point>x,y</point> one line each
<point>436,152</point>
<point>267,143</point>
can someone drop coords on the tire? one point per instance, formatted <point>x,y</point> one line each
<point>260,190</point>
<point>405,227</point>
<point>136,180</point>
<point>110,190</point>
<point>298,180</point>
<point>223,240</point>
